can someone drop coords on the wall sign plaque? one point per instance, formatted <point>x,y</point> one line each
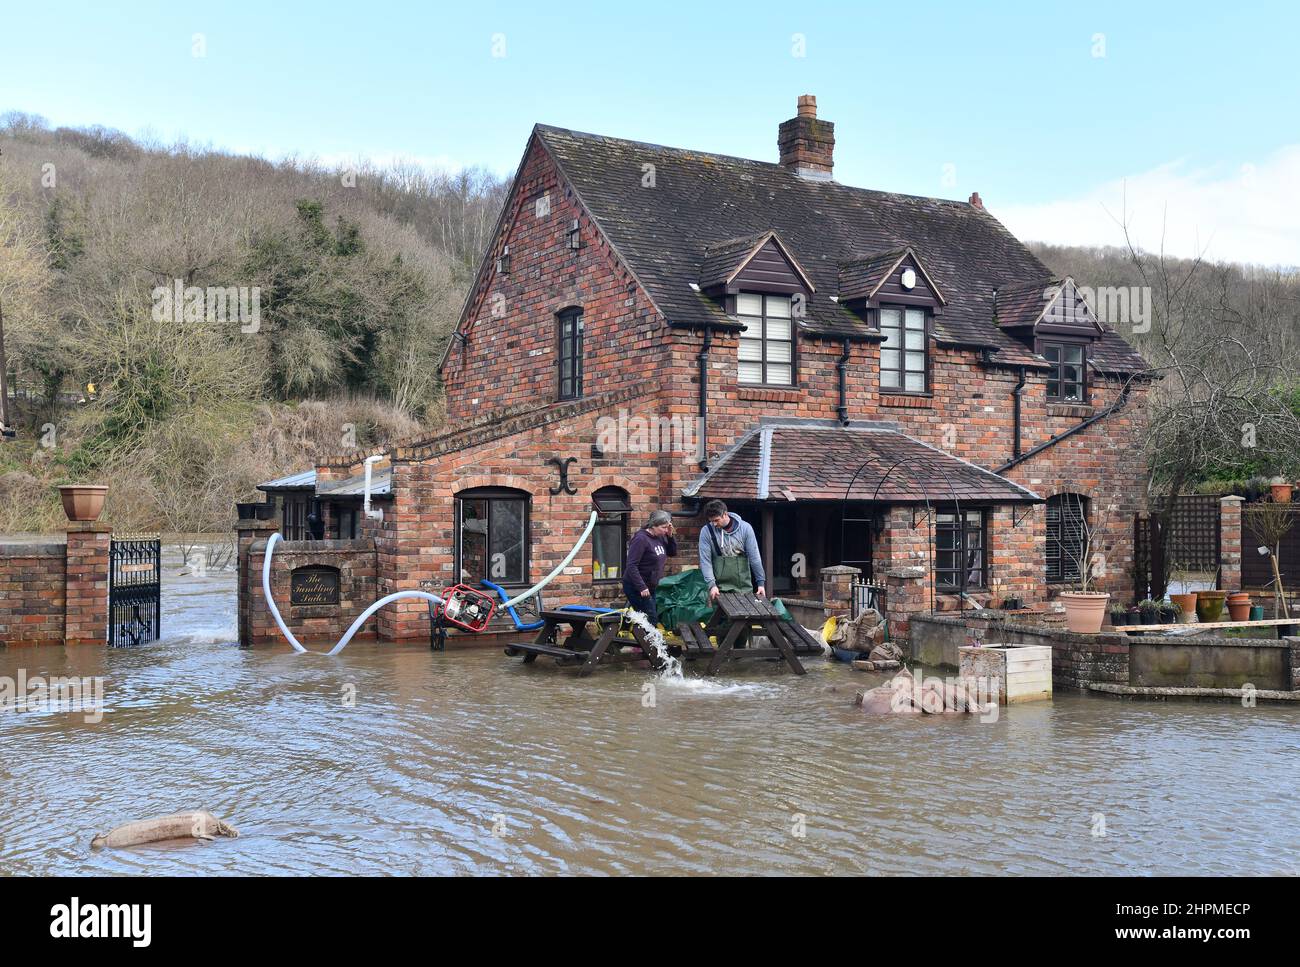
<point>315,584</point>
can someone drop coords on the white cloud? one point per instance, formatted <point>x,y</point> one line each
<point>1251,214</point>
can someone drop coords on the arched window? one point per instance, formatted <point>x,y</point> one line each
<point>492,535</point>
<point>1067,518</point>
<point>609,540</point>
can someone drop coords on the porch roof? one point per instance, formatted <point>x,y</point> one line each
<point>818,460</point>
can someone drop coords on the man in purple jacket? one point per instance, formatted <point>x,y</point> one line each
<point>647,553</point>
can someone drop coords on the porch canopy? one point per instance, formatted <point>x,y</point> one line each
<point>818,460</point>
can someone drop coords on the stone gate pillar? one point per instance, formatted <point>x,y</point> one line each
<point>1230,541</point>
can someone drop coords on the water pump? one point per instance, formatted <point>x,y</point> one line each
<point>467,607</point>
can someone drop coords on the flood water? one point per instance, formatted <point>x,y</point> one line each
<point>470,762</point>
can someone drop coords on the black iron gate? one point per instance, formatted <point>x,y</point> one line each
<point>134,591</point>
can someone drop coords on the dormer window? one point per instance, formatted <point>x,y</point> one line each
<point>1066,380</point>
<point>904,354</point>
<point>767,344</point>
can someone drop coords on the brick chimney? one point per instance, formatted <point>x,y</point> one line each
<point>976,200</point>
<point>807,144</point>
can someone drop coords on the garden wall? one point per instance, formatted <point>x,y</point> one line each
<point>1118,659</point>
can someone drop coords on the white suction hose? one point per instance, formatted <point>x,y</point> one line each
<point>396,596</point>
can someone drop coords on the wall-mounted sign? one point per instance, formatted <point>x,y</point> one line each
<point>315,584</point>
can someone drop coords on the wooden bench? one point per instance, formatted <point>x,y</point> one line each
<point>695,641</point>
<point>741,614</point>
<point>531,649</point>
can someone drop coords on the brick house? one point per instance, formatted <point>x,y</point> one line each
<point>874,379</point>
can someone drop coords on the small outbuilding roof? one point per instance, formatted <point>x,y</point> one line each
<point>821,460</point>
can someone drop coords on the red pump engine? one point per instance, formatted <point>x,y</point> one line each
<point>467,607</point>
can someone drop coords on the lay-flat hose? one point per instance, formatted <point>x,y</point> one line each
<point>396,596</point>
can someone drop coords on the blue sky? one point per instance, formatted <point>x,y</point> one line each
<point>1052,112</point>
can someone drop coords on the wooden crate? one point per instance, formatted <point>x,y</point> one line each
<point>1023,672</point>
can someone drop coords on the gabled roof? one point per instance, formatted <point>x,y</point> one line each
<point>700,200</point>
<point>1053,300</point>
<point>724,261</point>
<point>861,278</point>
<point>820,460</point>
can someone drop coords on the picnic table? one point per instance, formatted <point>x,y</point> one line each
<point>738,615</point>
<point>580,647</point>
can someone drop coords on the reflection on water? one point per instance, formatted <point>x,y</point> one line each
<point>468,761</point>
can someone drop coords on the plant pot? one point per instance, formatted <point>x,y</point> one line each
<point>1209,605</point>
<point>1281,493</point>
<point>1186,604</point>
<point>1085,610</point>
<point>83,502</point>
<point>1256,612</point>
<point>247,511</point>
<point>1239,612</point>
<point>1133,617</point>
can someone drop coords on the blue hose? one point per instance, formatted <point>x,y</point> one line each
<point>514,615</point>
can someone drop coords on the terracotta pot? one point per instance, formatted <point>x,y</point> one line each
<point>1186,604</point>
<point>83,502</point>
<point>1239,612</point>
<point>1281,493</point>
<point>1085,610</point>
<point>1209,605</point>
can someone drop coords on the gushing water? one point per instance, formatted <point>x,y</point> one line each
<point>670,667</point>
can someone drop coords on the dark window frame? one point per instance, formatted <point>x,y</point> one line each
<point>962,528</point>
<point>1056,374</point>
<point>901,369</point>
<point>1068,570</point>
<point>569,348</point>
<point>294,511</point>
<point>492,495</point>
<point>763,340</point>
<point>610,520</point>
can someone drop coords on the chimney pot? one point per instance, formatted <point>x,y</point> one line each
<point>976,200</point>
<point>807,105</point>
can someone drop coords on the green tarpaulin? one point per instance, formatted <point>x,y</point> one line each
<point>685,597</point>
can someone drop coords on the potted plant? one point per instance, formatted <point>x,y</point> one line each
<point>1150,611</point>
<point>1085,609</point>
<point>83,502</point>
<point>1133,615</point>
<point>1270,521</point>
<point>1118,615</point>
<point>1280,488</point>
<point>1169,612</point>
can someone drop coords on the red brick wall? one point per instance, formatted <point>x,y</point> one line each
<point>31,593</point>
<point>310,624</point>
<point>86,620</point>
<point>510,356</point>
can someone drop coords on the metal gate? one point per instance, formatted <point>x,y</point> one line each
<point>134,591</point>
<point>867,595</point>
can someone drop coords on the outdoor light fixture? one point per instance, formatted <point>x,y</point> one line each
<point>908,279</point>
<point>503,261</point>
<point>1263,551</point>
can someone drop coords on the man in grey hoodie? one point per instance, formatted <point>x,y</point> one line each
<point>725,535</point>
